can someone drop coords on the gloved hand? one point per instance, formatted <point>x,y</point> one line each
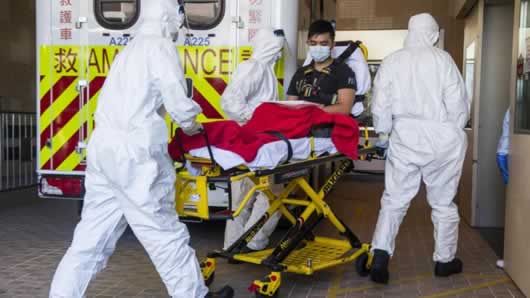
<point>382,145</point>
<point>502,163</point>
<point>192,130</point>
<point>382,141</point>
<point>357,109</point>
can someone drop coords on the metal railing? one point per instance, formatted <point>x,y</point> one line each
<point>17,150</point>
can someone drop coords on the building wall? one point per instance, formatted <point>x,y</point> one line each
<point>392,14</point>
<point>17,55</point>
<point>461,8</point>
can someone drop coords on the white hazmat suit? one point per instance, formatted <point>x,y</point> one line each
<point>420,100</point>
<point>254,80</point>
<point>253,83</point>
<point>130,178</point>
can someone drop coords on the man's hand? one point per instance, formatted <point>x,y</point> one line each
<point>194,129</point>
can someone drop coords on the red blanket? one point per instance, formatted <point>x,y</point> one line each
<point>293,123</point>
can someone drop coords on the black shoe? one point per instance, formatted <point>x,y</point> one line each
<point>379,270</point>
<point>447,269</point>
<point>225,292</point>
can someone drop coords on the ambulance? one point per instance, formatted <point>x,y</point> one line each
<point>77,40</point>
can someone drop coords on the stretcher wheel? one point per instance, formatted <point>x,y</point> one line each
<point>210,280</point>
<point>259,295</point>
<point>361,265</point>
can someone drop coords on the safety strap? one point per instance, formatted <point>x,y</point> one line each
<point>181,149</point>
<point>312,144</point>
<point>352,47</point>
<point>286,140</point>
<point>183,153</point>
<point>214,163</point>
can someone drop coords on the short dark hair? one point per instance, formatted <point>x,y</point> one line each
<point>321,27</point>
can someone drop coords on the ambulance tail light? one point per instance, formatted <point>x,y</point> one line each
<point>61,187</point>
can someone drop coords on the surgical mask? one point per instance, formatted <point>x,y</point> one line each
<point>320,53</point>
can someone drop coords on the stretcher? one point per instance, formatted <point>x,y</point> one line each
<point>299,250</point>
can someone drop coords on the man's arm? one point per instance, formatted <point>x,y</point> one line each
<point>166,69</point>
<point>456,100</point>
<point>344,104</point>
<point>346,86</point>
<point>382,101</point>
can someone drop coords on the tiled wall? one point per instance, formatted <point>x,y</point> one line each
<point>392,14</point>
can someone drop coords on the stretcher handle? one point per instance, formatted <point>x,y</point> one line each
<point>179,144</point>
<point>210,152</point>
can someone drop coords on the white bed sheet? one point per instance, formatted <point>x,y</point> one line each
<point>269,155</point>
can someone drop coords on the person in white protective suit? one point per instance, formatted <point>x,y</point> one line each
<point>253,83</point>
<point>503,152</point>
<point>130,178</point>
<point>420,100</point>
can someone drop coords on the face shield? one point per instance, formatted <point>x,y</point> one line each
<point>179,20</point>
<point>281,34</point>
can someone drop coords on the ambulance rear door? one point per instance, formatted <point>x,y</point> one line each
<point>110,25</point>
<point>209,51</point>
<point>62,73</point>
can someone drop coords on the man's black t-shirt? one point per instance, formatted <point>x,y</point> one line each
<point>321,87</point>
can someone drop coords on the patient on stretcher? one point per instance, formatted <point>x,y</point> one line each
<point>263,142</point>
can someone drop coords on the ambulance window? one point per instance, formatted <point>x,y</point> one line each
<point>204,14</point>
<point>117,14</point>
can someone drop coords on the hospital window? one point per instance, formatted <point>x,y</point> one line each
<point>522,99</point>
<point>204,14</point>
<point>117,14</point>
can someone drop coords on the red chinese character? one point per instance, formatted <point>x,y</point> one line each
<point>66,2</point>
<point>251,35</point>
<point>66,17</point>
<point>254,16</point>
<point>66,33</point>
<point>65,60</point>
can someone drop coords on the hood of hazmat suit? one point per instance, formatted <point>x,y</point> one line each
<point>254,80</point>
<point>162,18</point>
<point>420,100</point>
<point>130,179</point>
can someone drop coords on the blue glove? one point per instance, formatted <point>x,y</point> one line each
<point>382,141</point>
<point>502,163</point>
<point>382,145</point>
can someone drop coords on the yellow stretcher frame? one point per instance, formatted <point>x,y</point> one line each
<point>299,251</point>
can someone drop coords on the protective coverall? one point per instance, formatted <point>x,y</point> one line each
<point>420,100</point>
<point>254,80</point>
<point>253,83</point>
<point>503,151</point>
<point>130,178</point>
